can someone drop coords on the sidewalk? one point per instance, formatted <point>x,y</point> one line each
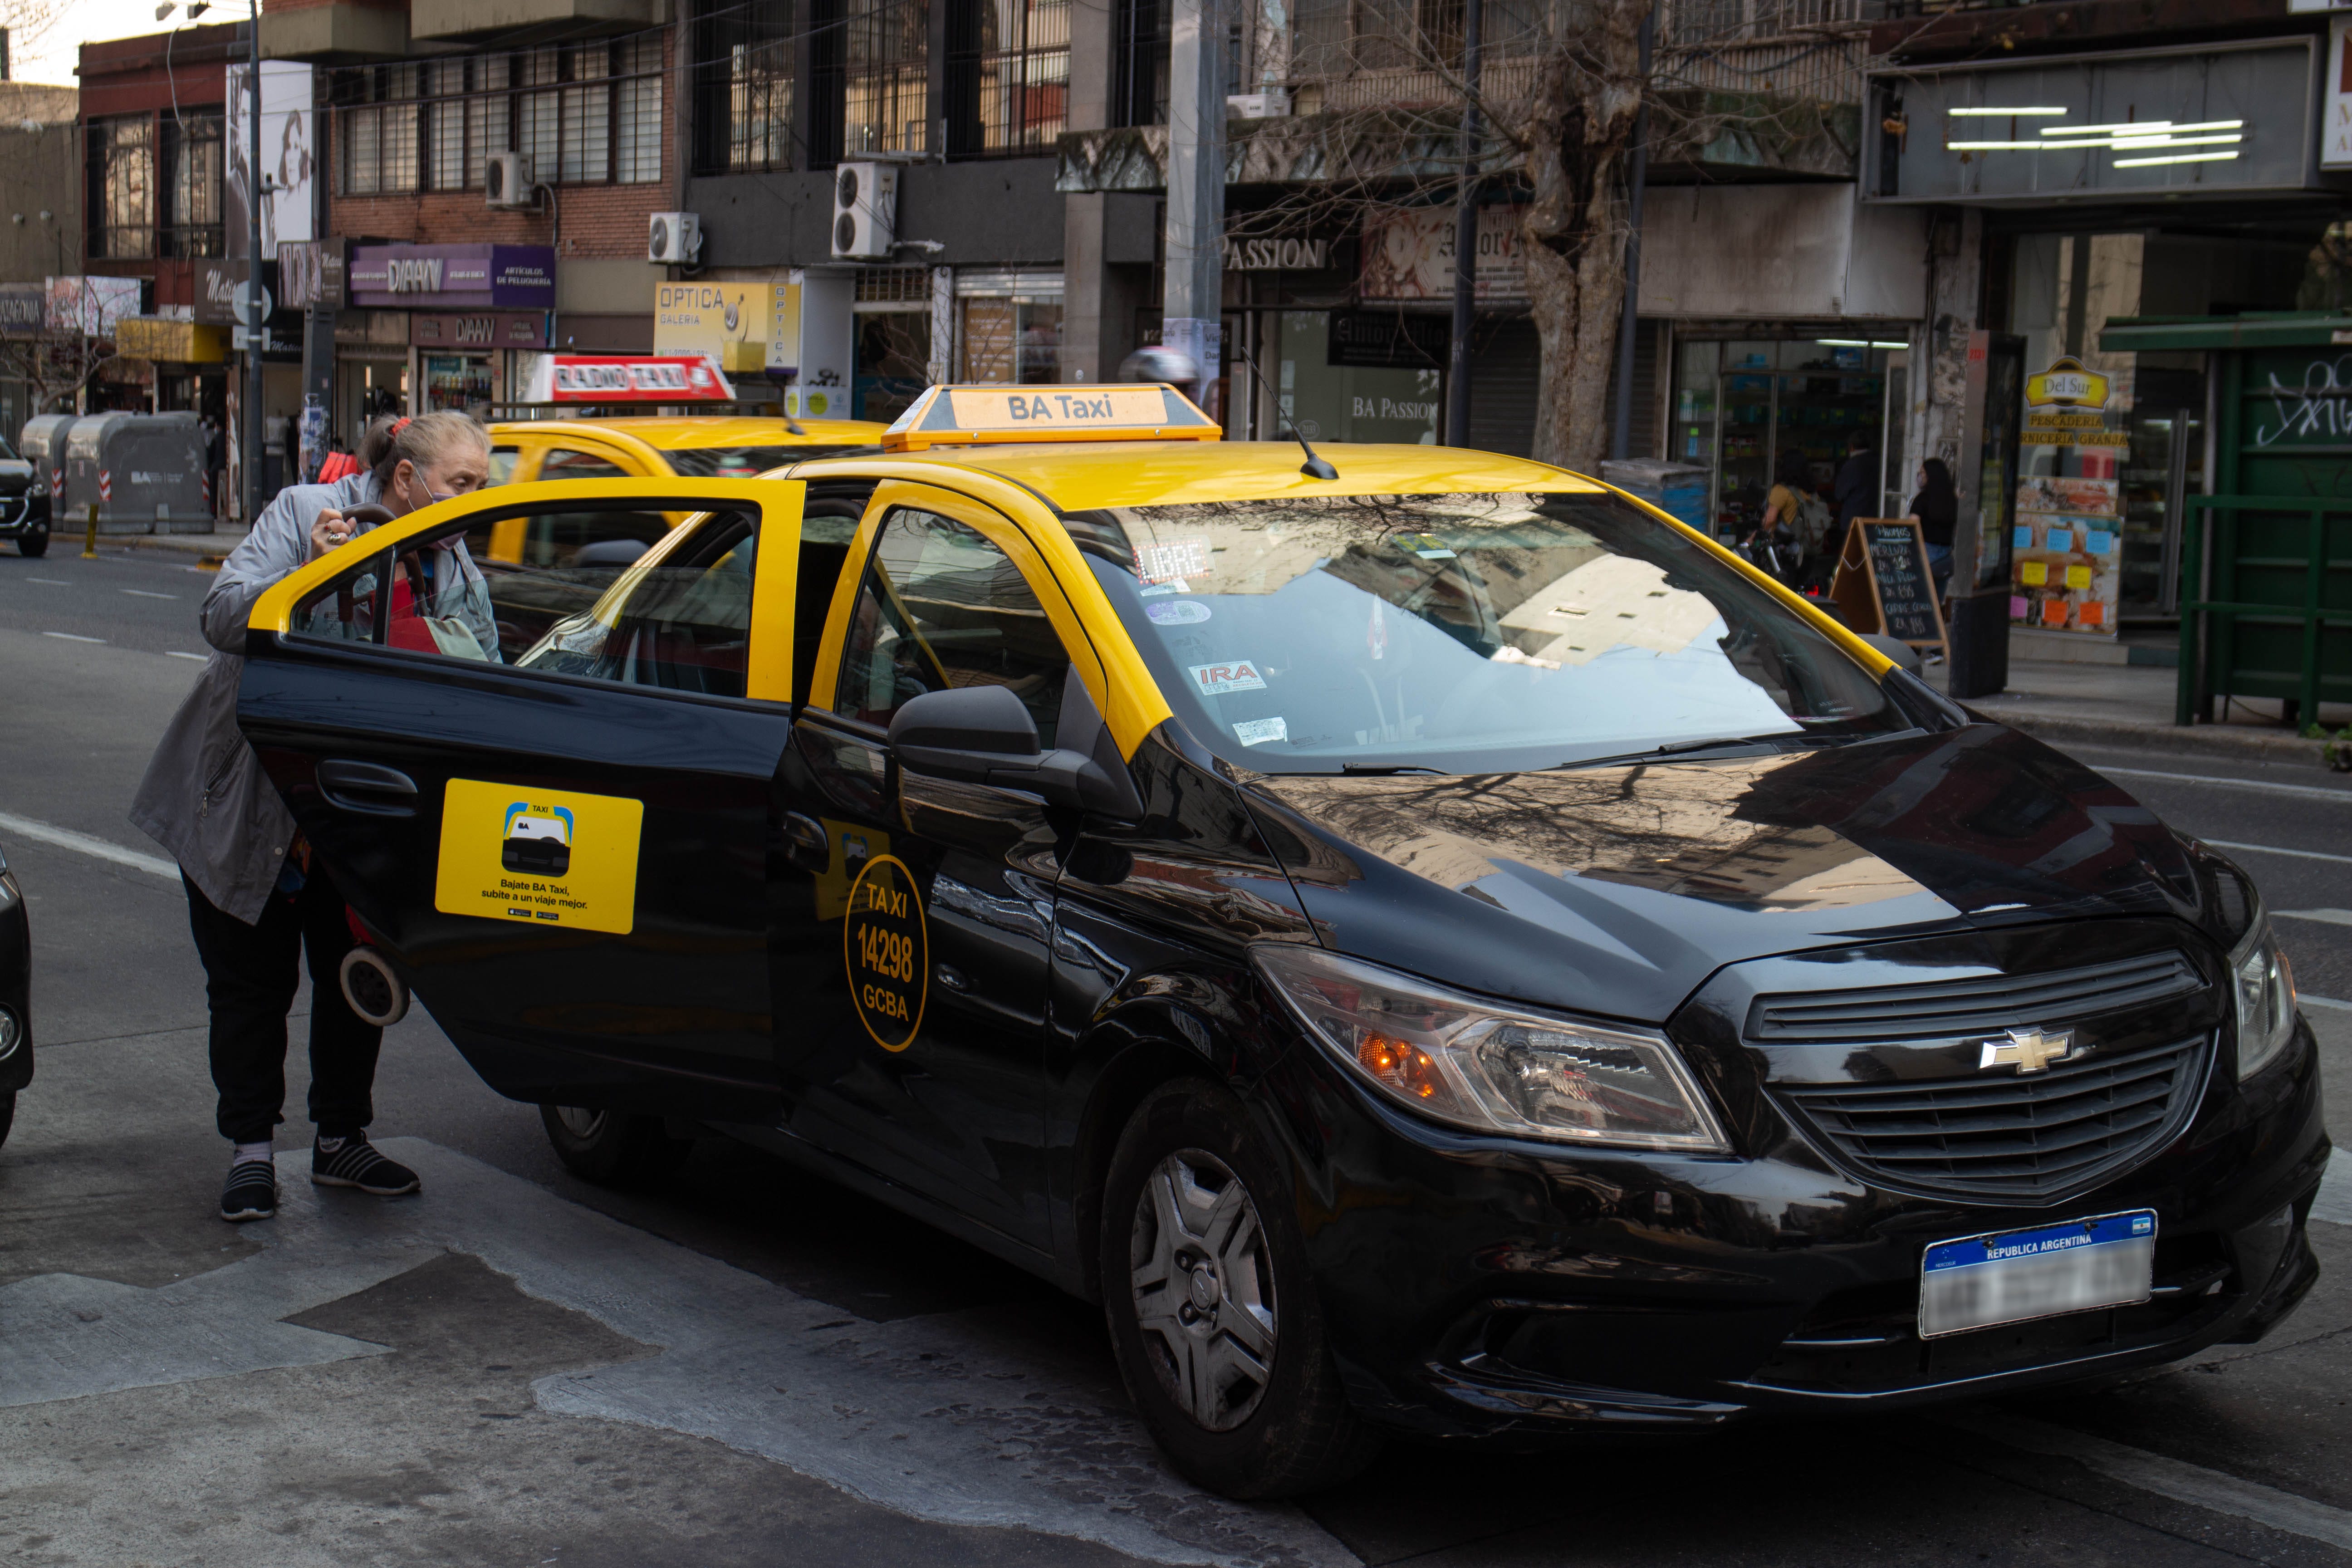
<point>219,542</point>
<point>2132,705</point>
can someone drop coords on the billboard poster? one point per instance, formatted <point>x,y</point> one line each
<point>288,164</point>
<point>1409,254</point>
<point>2066,555</point>
<point>90,306</point>
<point>730,322</point>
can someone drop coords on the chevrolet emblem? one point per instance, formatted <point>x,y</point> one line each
<point>2028,1050</point>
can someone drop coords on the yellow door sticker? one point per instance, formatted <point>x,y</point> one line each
<point>549,856</point>
<point>888,950</point>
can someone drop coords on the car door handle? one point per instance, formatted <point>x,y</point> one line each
<point>369,788</point>
<point>806,844</point>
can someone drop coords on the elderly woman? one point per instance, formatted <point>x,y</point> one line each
<point>256,899</point>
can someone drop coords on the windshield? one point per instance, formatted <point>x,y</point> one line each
<point>743,462</point>
<point>1462,633</point>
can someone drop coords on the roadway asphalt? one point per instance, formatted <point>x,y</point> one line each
<point>747,1365</point>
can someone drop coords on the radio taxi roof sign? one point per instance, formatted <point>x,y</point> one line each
<point>959,415</point>
<point>628,378</point>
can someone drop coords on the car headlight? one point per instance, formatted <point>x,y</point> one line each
<point>1482,1065</point>
<point>2263,983</point>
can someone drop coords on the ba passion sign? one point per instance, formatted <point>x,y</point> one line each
<point>452,277</point>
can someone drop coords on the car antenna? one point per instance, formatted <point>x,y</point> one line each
<point>1314,468</point>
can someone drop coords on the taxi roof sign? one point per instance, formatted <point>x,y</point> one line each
<point>1119,411</point>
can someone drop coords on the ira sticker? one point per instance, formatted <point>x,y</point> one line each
<point>1178,613</point>
<point>1222,680</point>
<point>1258,731</point>
<point>1176,558</point>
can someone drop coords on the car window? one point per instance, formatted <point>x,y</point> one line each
<point>942,607</point>
<point>502,464</point>
<point>1464,633</point>
<point>544,566</point>
<point>744,462</point>
<point>565,463</point>
<point>682,622</point>
<point>428,596</point>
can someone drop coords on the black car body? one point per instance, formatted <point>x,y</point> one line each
<point>16,996</point>
<point>1833,933</point>
<point>24,503</point>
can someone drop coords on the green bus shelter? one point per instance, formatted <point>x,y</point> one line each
<point>2266,559</point>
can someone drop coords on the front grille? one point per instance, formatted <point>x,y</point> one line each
<point>2023,1137</point>
<point>1985,1005</point>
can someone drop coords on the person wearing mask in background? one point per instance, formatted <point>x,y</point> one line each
<point>256,898</point>
<point>1937,508</point>
<point>1856,491</point>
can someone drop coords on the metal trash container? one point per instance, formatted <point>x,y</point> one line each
<point>145,471</point>
<point>43,445</point>
<point>1678,490</point>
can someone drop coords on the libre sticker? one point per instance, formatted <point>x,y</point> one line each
<point>2033,573</point>
<point>2098,541</point>
<point>549,856</point>
<point>2022,536</point>
<point>1176,558</point>
<point>1221,679</point>
<point>887,952</point>
<point>2058,539</point>
<point>1178,613</point>
<point>2078,576</point>
<point>1258,731</point>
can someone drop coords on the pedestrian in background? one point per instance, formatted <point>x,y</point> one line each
<point>1855,490</point>
<point>1937,508</point>
<point>340,464</point>
<point>257,899</point>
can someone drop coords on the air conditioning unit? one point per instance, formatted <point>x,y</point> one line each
<point>675,238</point>
<point>507,183</point>
<point>865,211</point>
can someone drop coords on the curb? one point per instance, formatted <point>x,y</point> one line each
<point>177,543</point>
<point>2196,739</point>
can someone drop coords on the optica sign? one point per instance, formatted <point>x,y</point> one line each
<point>634,378</point>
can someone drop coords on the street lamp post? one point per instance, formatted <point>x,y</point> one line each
<point>248,307</point>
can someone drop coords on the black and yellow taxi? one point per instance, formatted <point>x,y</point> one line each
<point>1441,949</point>
<point>542,567</point>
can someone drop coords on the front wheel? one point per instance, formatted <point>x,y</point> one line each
<point>34,542</point>
<point>612,1148</point>
<point>7,1113</point>
<point>1213,1315</point>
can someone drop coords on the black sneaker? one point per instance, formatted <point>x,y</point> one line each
<point>251,1192</point>
<point>357,1164</point>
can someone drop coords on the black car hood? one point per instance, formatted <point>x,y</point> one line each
<point>1618,890</point>
<point>15,476</point>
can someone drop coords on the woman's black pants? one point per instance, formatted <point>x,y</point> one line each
<point>250,975</point>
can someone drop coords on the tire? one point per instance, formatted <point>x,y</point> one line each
<point>34,544</point>
<point>1233,1377</point>
<point>7,1113</point>
<point>612,1148</point>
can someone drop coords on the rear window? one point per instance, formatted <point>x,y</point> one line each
<point>1463,633</point>
<point>743,462</point>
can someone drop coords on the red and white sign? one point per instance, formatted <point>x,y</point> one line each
<point>1222,680</point>
<point>632,378</point>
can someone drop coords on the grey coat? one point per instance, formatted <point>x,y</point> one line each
<point>206,798</point>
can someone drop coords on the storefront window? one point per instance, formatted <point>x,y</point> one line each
<point>1009,340</point>
<point>1349,403</point>
<point>460,382</point>
<point>1750,408</point>
<point>894,360</point>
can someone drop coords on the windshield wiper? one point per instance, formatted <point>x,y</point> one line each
<point>1368,769</point>
<point>1672,749</point>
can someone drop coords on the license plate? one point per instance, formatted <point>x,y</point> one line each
<point>2013,1276</point>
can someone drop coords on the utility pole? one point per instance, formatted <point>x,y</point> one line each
<point>1465,237</point>
<point>1193,309</point>
<point>256,322</point>
<point>1637,177</point>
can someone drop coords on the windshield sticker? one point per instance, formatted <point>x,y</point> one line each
<point>511,853</point>
<point>1176,558</point>
<point>1173,585</point>
<point>1221,679</point>
<point>1428,546</point>
<point>1182,613</point>
<point>1258,731</point>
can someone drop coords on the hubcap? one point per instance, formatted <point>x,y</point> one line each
<point>1203,1289</point>
<point>580,1124</point>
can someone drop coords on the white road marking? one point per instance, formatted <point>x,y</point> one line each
<point>946,1417</point>
<point>82,843</point>
<point>2174,1478</point>
<point>199,657</point>
<point>2254,848</point>
<point>145,594</point>
<point>2333,1202</point>
<point>2308,1000</point>
<point>2264,786</point>
<point>2329,917</point>
<point>69,637</point>
<point>52,582</point>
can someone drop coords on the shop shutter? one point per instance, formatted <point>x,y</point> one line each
<point>1504,359</point>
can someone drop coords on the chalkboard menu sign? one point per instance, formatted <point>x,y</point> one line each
<point>1884,583</point>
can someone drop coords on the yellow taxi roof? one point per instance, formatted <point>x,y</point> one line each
<point>685,432</point>
<point>1078,476</point>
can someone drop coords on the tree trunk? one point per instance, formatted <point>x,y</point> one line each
<point>1587,90</point>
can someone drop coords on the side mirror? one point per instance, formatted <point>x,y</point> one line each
<point>983,734</point>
